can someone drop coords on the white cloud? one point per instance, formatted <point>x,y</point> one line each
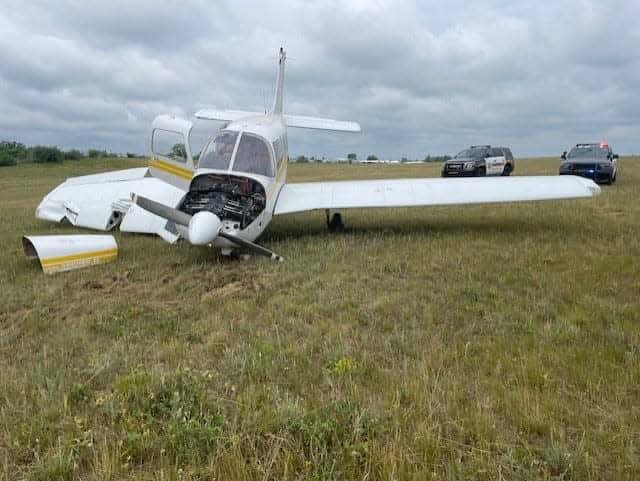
<point>421,77</point>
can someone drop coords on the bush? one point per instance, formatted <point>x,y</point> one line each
<point>94,153</point>
<point>11,152</point>
<point>6,161</point>
<point>73,154</point>
<point>41,154</point>
<point>372,157</point>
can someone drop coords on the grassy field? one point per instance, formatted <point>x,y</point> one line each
<point>472,343</point>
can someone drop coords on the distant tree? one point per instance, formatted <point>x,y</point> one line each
<point>73,154</point>
<point>319,160</point>
<point>302,159</point>
<point>427,158</point>
<point>11,153</point>
<point>352,157</point>
<point>131,155</point>
<point>404,159</point>
<point>42,154</point>
<point>94,153</point>
<point>371,157</point>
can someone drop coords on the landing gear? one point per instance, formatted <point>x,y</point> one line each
<point>334,223</point>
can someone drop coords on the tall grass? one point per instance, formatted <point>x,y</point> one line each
<point>481,342</point>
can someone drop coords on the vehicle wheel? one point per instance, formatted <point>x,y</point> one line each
<point>507,170</point>
<point>481,172</point>
<point>615,176</point>
<point>609,180</point>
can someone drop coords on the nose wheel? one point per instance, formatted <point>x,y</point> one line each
<point>334,223</point>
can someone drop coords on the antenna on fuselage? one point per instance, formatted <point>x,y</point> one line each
<point>278,100</point>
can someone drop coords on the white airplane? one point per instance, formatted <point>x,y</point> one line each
<point>228,196</point>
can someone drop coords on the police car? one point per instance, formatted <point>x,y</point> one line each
<point>480,160</point>
<point>594,161</point>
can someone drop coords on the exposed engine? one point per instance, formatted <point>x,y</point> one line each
<point>238,199</point>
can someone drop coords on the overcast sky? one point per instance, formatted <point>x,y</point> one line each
<point>422,78</point>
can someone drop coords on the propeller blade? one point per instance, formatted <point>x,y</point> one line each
<point>161,210</point>
<point>251,246</point>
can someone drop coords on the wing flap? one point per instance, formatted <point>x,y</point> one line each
<point>300,197</point>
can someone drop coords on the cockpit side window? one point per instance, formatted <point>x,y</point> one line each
<point>217,154</point>
<point>253,156</point>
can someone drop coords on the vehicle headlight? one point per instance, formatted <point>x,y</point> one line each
<point>469,165</point>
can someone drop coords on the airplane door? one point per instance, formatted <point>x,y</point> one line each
<point>171,158</point>
<point>495,162</point>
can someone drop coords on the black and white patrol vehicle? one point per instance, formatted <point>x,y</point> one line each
<point>480,160</point>
<point>594,161</point>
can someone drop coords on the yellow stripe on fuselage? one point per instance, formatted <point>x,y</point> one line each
<point>171,169</point>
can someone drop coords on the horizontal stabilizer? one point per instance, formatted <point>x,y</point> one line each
<point>302,122</point>
<point>226,115</point>
<point>298,121</point>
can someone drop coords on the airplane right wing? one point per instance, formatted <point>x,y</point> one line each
<point>350,194</point>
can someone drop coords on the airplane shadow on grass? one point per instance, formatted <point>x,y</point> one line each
<point>284,229</point>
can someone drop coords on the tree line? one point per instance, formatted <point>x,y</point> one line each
<point>11,153</point>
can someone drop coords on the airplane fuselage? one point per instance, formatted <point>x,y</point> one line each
<point>270,133</point>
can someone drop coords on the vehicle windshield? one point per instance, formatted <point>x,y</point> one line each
<point>588,152</point>
<point>217,154</point>
<point>472,154</point>
<point>253,156</point>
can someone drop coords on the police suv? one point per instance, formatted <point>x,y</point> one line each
<point>480,160</point>
<point>594,161</point>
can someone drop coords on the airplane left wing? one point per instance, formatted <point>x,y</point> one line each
<point>103,201</point>
<point>300,197</point>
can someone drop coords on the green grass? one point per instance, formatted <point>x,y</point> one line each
<point>443,343</point>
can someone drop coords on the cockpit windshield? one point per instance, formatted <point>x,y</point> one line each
<point>253,156</point>
<point>217,154</point>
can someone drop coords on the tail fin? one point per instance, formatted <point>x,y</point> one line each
<point>277,108</point>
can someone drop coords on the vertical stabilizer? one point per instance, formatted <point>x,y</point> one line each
<point>277,108</point>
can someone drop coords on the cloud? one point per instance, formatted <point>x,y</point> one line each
<point>421,77</point>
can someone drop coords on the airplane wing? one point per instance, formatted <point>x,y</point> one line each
<point>298,121</point>
<point>300,197</point>
<point>103,201</point>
